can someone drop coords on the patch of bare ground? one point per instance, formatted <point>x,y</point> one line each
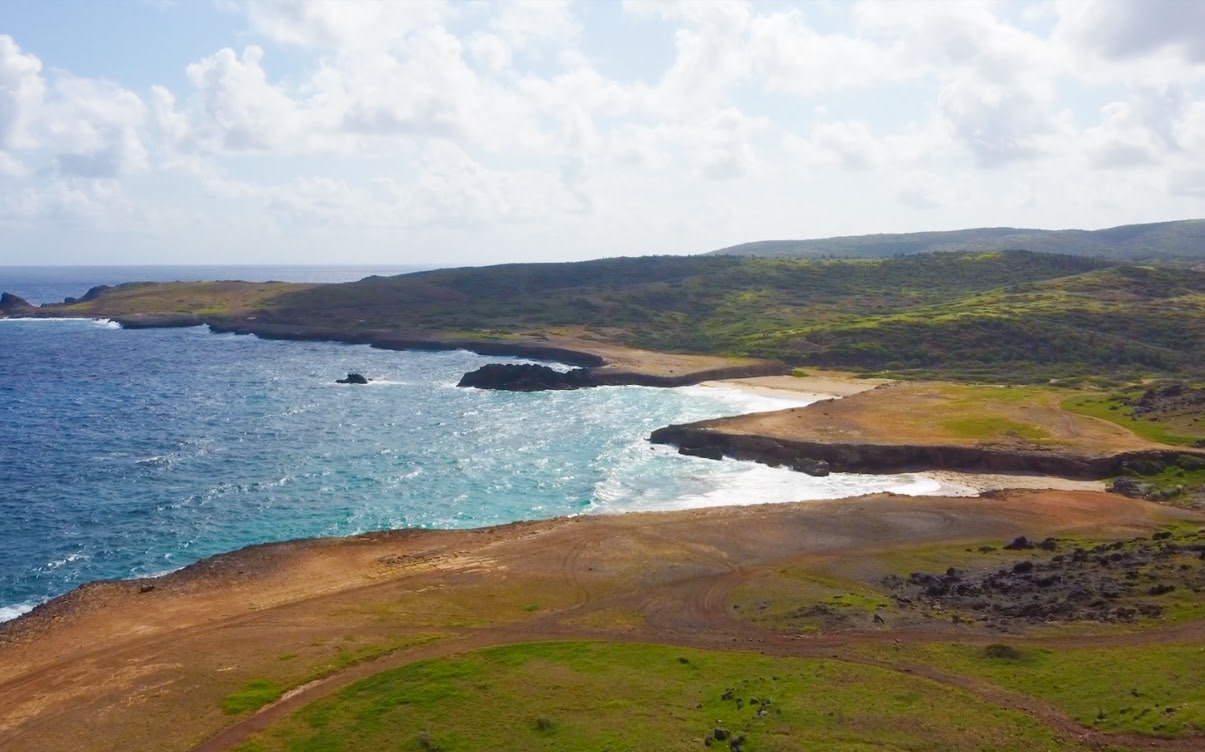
<point>145,664</point>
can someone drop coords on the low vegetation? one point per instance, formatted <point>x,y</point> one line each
<point>649,697</point>
<point>253,696</point>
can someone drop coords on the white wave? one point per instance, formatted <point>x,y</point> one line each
<point>69,559</point>
<point>8,613</point>
<point>740,483</point>
<point>106,323</point>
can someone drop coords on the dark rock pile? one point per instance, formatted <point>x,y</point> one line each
<point>1170,399</point>
<point>1114,582</point>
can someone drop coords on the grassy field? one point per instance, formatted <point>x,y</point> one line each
<point>607,696</point>
<point>1157,690</point>
<point>1111,406</point>
<point>227,298</point>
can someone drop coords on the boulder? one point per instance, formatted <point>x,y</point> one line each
<point>818,468</point>
<point>352,378</point>
<point>1127,486</point>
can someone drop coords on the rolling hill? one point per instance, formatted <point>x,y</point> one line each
<point>1184,239</point>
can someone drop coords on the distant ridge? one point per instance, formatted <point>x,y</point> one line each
<point>1184,239</point>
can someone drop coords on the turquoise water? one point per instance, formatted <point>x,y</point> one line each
<point>132,453</point>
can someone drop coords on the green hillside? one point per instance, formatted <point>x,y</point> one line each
<point>1184,239</point>
<point>1005,316</point>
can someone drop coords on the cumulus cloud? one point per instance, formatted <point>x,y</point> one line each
<point>22,89</point>
<point>90,128</point>
<point>433,117</point>
<point>791,57</point>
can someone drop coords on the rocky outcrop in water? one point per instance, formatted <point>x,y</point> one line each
<point>352,378</point>
<point>526,377</point>
<point>13,305</point>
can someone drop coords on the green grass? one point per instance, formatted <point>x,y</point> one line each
<point>607,696</point>
<point>1154,689</point>
<point>993,427</point>
<point>1111,407</point>
<point>254,695</point>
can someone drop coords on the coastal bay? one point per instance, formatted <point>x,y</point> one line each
<point>163,661</point>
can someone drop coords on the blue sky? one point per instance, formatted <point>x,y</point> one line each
<point>476,132</point>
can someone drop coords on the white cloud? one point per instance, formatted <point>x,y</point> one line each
<point>791,57</point>
<point>343,25</point>
<point>240,109</point>
<point>530,23</point>
<point>12,167</point>
<point>847,144</point>
<point>658,125</point>
<point>998,124</point>
<point>97,204</point>
<point>711,56</point>
<point>21,90</point>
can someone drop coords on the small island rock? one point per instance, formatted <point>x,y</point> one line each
<point>352,378</point>
<point>527,377</point>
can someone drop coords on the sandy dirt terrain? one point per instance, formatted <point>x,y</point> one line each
<point>120,665</point>
<point>946,414</point>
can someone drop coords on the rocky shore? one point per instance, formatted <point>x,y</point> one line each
<point>820,458</point>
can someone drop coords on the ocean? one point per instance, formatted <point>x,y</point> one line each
<point>132,453</point>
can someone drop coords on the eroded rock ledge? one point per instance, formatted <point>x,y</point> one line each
<point>805,456</point>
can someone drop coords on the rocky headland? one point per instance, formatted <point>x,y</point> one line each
<point>911,427</point>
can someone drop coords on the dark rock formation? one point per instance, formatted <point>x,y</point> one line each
<point>1112,582</point>
<point>902,458</point>
<point>352,378</point>
<point>706,452</point>
<point>1168,401</point>
<point>526,377</point>
<point>12,305</point>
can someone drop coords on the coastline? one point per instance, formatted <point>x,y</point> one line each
<point>146,663</point>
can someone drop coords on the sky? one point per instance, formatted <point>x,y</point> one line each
<point>480,131</point>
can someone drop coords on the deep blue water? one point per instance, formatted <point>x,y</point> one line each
<point>134,452</point>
